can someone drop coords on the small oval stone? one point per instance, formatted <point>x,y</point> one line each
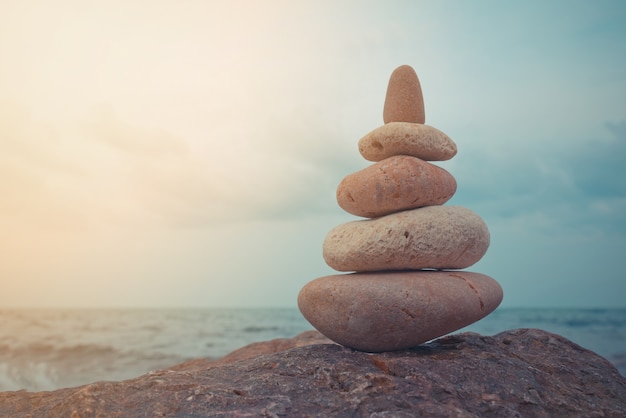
<point>437,237</point>
<point>397,183</point>
<point>402,138</point>
<point>390,311</point>
<point>404,101</point>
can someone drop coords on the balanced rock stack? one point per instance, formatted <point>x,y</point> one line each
<point>406,288</point>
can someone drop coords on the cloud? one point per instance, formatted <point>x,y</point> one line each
<point>598,168</point>
<point>107,170</point>
<point>35,164</point>
<point>105,126</point>
<point>598,172</point>
<point>579,186</point>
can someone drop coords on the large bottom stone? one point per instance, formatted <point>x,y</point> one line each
<point>517,373</point>
<point>388,311</point>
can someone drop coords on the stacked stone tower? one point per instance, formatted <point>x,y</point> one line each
<point>407,286</point>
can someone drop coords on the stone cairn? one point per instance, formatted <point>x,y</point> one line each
<point>406,287</point>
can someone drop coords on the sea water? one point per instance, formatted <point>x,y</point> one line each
<point>48,349</point>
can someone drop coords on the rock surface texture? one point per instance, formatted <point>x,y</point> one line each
<point>518,373</point>
<point>401,138</point>
<point>404,101</point>
<point>395,183</point>
<point>433,237</point>
<point>406,311</point>
<point>401,302</point>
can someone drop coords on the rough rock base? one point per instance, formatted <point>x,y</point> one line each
<point>518,373</point>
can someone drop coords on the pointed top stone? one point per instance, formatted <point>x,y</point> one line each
<point>404,101</point>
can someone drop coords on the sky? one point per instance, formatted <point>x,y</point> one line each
<point>161,153</point>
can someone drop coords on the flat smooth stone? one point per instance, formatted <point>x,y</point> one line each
<point>437,237</point>
<point>389,311</point>
<point>402,138</point>
<point>397,183</point>
<point>404,101</point>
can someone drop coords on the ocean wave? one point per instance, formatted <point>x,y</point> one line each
<point>42,366</point>
<point>45,351</point>
<point>257,328</point>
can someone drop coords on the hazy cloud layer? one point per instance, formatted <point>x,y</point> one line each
<point>183,149</point>
<point>107,170</point>
<point>577,186</point>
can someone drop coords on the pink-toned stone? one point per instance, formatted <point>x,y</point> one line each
<point>437,237</point>
<point>404,101</point>
<point>403,138</point>
<point>396,310</point>
<point>397,183</point>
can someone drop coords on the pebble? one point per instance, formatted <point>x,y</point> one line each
<point>397,183</point>
<point>437,237</point>
<point>389,311</point>
<point>402,138</point>
<point>404,101</point>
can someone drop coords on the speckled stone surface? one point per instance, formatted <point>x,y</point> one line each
<point>396,183</point>
<point>401,138</point>
<point>404,101</point>
<point>438,237</point>
<point>516,373</point>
